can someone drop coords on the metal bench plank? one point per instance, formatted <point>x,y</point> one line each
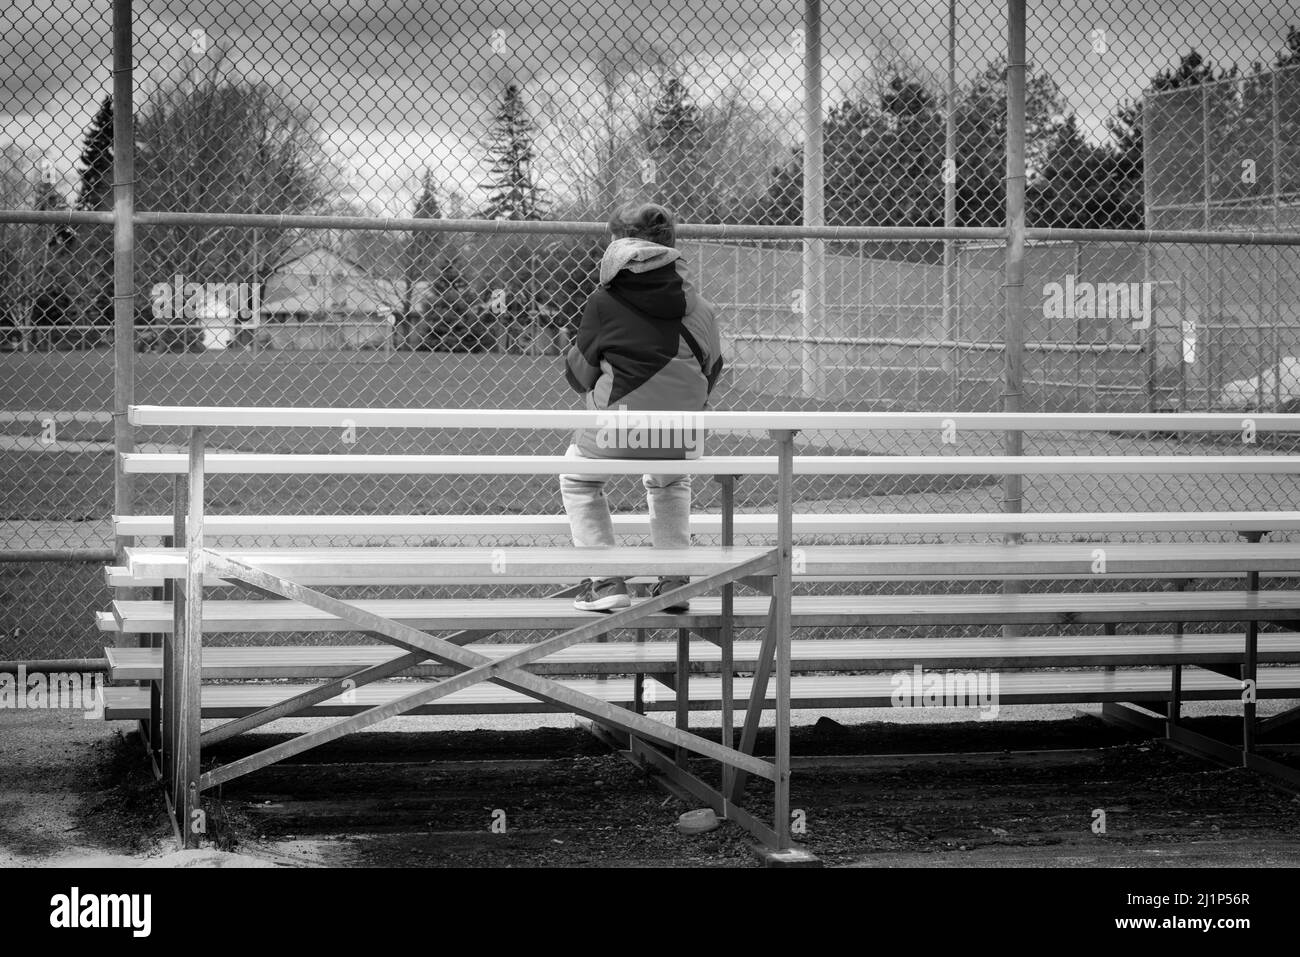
<point>507,614</point>
<point>323,661</point>
<point>832,523</point>
<point>388,565</point>
<point>834,691</point>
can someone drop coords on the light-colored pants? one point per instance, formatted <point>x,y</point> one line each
<point>669,498</point>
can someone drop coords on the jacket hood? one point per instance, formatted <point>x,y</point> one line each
<point>646,277</point>
<point>634,255</point>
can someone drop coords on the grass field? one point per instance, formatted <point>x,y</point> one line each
<point>62,499</point>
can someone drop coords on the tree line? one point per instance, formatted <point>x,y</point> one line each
<point>646,136</point>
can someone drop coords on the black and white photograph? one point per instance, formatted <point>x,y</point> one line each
<point>485,435</point>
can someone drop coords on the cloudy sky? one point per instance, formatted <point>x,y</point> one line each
<point>400,85</point>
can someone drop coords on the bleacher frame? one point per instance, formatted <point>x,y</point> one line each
<point>192,565</point>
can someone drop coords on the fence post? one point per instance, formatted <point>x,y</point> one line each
<point>949,364</point>
<point>814,250</point>
<point>123,273</point>
<point>1275,253</point>
<point>1014,318</point>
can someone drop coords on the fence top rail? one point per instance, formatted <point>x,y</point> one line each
<point>749,421</point>
<point>719,231</point>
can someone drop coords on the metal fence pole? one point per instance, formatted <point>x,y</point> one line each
<point>950,196</point>
<point>1275,254</point>
<point>814,250</point>
<point>1153,334</point>
<point>123,270</point>
<point>1014,319</point>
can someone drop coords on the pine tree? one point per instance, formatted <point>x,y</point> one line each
<point>513,192</point>
<point>674,139</point>
<point>421,253</point>
<point>94,267</point>
<point>418,256</point>
<point>95,189</point>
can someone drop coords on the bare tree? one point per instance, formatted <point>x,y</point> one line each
<point>649,133</point>
<point>210,140</point>
<point>34,276</point>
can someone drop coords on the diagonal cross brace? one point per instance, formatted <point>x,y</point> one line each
<point>330,689</point>
<point>479,668</point>
<point>757,697</point>
<point>336,686</point>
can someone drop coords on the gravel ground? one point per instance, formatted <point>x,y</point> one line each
<point>1018,791</point>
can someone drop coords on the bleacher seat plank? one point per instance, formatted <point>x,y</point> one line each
<point>506,614</point>
<point>289,463</point>
<point>761,422</point>
<point>1046,559</point>
<point>622,657</point>
<point>379,565</point>
<point>119,576</point>
<point>830,523</point>
<point>806,691</point>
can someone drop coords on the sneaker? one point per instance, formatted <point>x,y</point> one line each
<point>605,594</point>
<point>668,584</point>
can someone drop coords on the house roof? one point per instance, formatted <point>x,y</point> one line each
<point>321,299</point>
<point>301,252</point>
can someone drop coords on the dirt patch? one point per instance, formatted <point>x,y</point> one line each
<point>69,786</point>
<point>1005,793</point>
<point>554,798</point>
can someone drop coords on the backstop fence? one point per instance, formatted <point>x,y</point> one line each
<point>924,206</point>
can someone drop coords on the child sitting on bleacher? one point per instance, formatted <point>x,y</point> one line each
<point>646,342</point>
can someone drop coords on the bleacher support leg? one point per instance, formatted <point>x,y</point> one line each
<point>1175,712</point>
<point>1249,679</point>
<point>1250,667</point>
<point>681,690</point>
<point>726,634</point>
<point>782,589</point>
<point>186,801</point>
<point>171,676</point>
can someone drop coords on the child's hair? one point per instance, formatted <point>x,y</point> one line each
<point>648,221</point>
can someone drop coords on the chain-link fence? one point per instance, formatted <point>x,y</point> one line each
<point>502,135</point>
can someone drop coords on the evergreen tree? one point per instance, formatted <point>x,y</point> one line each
<point>95,190</point>
<point>513,192</point>
<point>94,260</point>
<point>1083,185</point>
<point>884,149</point>
<point>418,257</point>
<point>674,139</point>
<point>1125,124</point>
<point>421,254</point>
